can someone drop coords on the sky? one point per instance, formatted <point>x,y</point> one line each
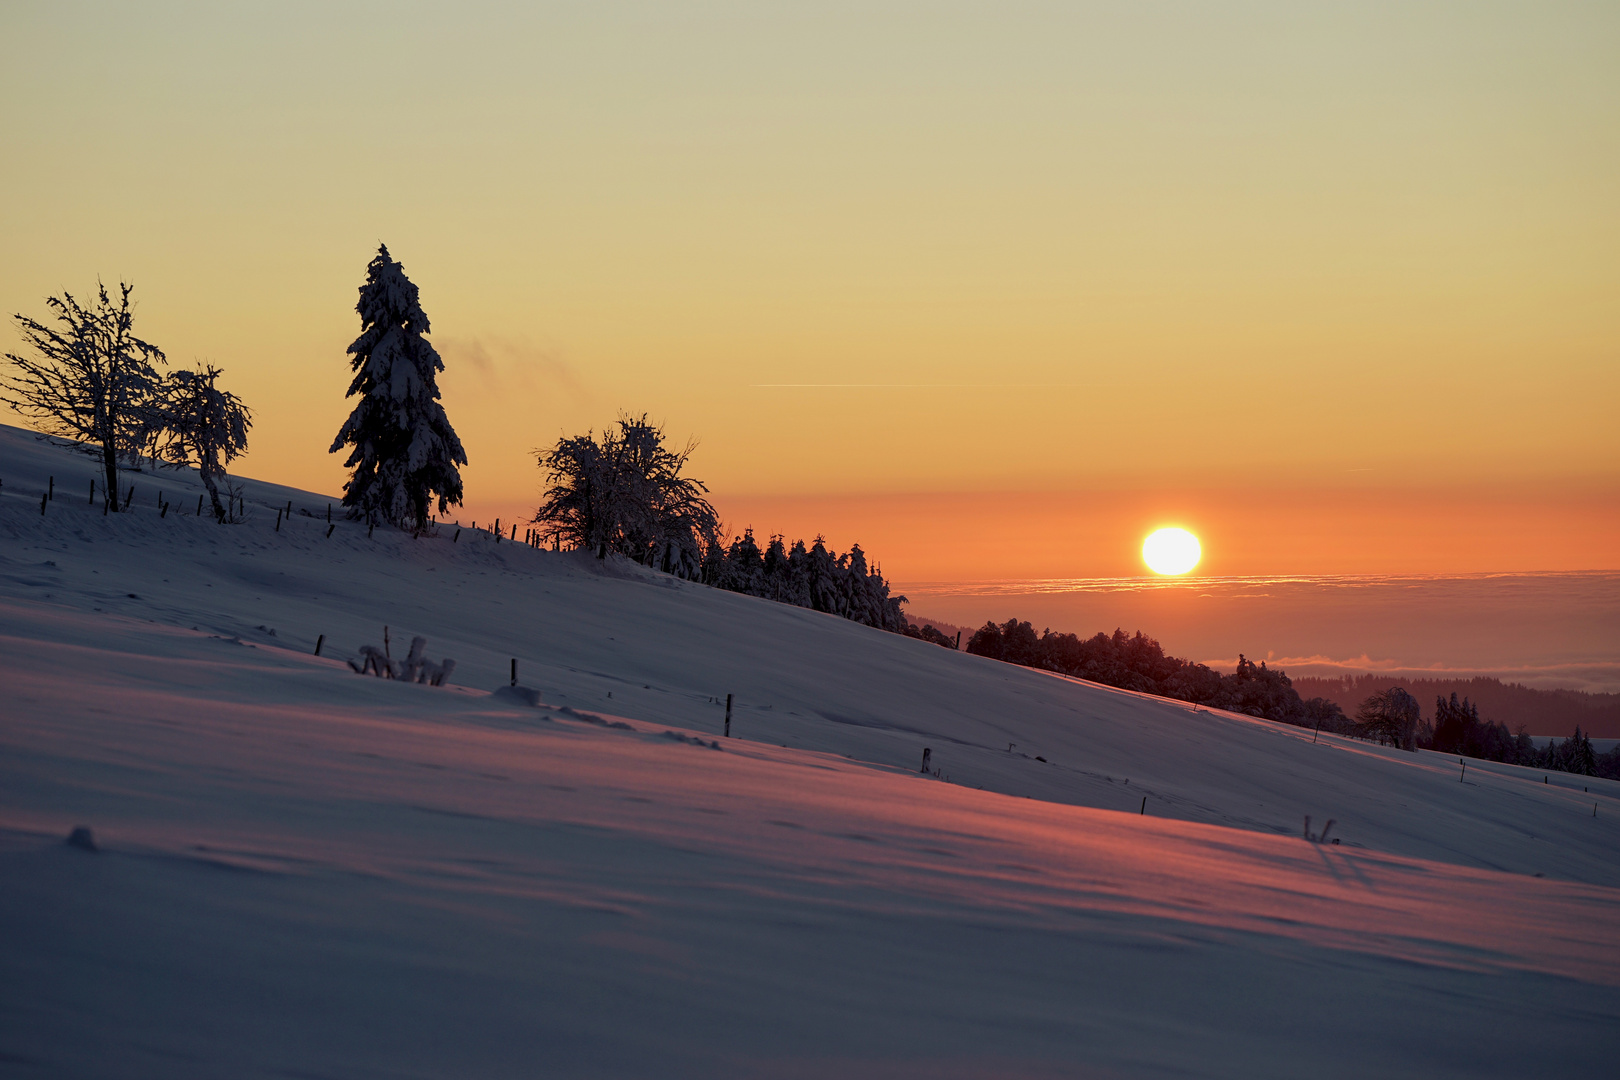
<point>991,289</point>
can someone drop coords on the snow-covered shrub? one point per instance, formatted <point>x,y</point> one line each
<point>626,495</point>
<point>373,661</point>
<point>416,667</point>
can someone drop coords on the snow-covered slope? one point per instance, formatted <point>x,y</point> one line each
<point>305,872</point>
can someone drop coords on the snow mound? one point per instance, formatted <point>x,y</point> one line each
<point>517,695</point>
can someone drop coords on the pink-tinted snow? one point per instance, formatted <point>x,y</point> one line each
<point>304,872</point>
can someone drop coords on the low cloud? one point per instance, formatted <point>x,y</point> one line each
<point>509,365</point>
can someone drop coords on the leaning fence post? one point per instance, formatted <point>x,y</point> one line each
<point>318,643</point>
<point>514,671</point>
<point>92,493</point>
<point>329,529</point>
<point>42,498</point>
<point>728,716</point>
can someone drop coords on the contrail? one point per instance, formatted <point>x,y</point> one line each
<point>916,386</point>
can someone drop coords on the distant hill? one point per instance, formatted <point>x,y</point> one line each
<point>1538,712</point>
<point>948,629</point>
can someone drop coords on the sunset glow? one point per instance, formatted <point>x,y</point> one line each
<point>777,232</point>
<point>1171,551</point>
<point>765,538</point>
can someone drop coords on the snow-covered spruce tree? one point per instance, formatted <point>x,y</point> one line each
<point>199,424</point>
<point>404,451</point>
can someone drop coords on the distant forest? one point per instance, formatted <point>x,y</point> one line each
<point>1138,662</point>
<point>1519,708</point>
<point>1389,713</point>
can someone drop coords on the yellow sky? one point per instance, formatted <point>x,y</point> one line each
<point>1044,249</point>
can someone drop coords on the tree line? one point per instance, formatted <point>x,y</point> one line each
<point>811,577</point>
<point>1138,662</point>
<point>1513,704</point>
<point>1390,716</point>
<point>1458,729</point>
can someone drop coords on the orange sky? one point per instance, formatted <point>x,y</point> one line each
<point>1332,287</point>
<point>1243,531</point>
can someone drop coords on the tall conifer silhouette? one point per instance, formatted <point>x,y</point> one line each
<point>404,451</point>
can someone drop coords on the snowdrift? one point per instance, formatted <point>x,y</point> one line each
<point>302,871</point>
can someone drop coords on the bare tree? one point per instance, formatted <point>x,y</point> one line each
<point>1390,716</point>
<point>199,424</point>
<point>92,381</point>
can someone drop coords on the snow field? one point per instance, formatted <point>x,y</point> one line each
<point>306,872</point>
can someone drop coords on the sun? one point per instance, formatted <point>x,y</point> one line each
<point>1171,551</point>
